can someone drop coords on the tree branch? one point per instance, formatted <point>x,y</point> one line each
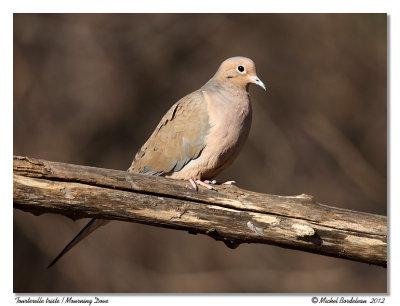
<point>231,214</point>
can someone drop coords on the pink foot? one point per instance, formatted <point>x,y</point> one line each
<point>200,182</point>
<point>194,183</point>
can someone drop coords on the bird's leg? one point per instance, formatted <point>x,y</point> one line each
<point>200,182</point>
<point>193,184</point>
<point>196,182</point>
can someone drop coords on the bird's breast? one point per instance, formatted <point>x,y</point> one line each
<point>230,121</point>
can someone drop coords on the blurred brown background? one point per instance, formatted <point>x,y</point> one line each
<point>90,88</point>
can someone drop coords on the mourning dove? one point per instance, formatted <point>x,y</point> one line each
<point>200,135</point>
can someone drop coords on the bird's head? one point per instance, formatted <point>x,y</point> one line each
<point>240,71</point>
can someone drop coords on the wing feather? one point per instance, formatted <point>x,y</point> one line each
<point>178,138</point>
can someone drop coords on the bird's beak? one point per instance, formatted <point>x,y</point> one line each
<point>257,81</point>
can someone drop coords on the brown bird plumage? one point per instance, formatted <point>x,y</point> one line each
<point>203,132</point>
<point>200,135</point>
<point>178,138</point>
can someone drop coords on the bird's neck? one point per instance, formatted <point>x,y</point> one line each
<point>226,87</point>
<point>228,100</point>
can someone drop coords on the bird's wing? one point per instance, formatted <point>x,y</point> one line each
<point>178,138</point>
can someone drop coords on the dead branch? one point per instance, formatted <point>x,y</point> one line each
<point>231,214</point>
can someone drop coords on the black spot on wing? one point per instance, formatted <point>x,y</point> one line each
<point>149,171</point>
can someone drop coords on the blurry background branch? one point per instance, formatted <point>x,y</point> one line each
<point>231,215</point>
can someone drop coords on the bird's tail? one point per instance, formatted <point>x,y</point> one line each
<point>86,231</point>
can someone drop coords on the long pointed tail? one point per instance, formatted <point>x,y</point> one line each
<point>86,231</point>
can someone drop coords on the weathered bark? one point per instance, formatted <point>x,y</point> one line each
<point>230,214</point>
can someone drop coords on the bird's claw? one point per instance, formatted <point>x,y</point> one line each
<point>193,184</point>
<point>206,184</point>
<point>200,182</point>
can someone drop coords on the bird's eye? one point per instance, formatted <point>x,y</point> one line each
<point>240,68</point>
